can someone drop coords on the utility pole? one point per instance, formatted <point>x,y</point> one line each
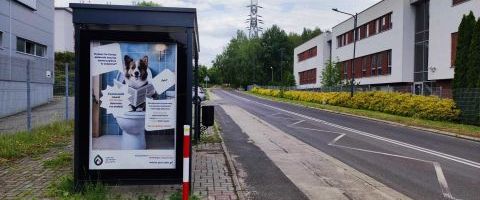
<point>355,17</point>
<point>254,19</point>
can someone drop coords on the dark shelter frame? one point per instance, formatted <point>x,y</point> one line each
<point>132,24</point>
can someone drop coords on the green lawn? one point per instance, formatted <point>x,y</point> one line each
<point>460,129</point>
<point>40,140</point>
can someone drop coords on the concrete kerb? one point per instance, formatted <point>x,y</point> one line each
<point>428,130</point>
<point>236,183</point>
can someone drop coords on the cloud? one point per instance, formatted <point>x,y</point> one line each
<point>219,20</point>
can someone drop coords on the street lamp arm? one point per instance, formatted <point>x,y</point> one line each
<point>336,10</point>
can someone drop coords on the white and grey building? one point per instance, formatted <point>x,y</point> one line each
<point>64,32</point>
<point>310,59</point>
<point>26,39</point>
<point>402,43</point>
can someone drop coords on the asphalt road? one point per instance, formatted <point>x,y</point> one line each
<point>419,164</point>
<point>264,178</point>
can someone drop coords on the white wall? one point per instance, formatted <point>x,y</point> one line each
<point>400,39</point>
<point>64,31</point>
<point>444,20</point>
<point>318,62</point>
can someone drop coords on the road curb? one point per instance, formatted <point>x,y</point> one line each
<point>446,133</point>
<point>238,187</point>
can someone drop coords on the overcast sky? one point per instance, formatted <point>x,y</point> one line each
<point>219,20</point>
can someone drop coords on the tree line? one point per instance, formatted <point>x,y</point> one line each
<point>263,60</point>
<point>466,82</point>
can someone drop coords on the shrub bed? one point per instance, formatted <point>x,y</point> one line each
<point>403,104</point>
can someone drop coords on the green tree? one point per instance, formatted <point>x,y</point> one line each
<point>277,51</point>
<point>62,58</point>
<point>148,4</point>
<point>307,34</point>
<point>466,69</point>
<point>331,75</point>
<point>465,32</point>
<point>473,62</point>
<point>245,61</point>
<point>473,68</point>
<point>202,73</point>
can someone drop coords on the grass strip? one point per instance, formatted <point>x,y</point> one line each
<point>63,159</point>
<point>456,128</point>
<point>212,137</point>
<point>40,140</point>
<point>64,188</point>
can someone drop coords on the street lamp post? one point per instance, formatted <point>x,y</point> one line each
<point>355,16</point>
<point>272,73</point>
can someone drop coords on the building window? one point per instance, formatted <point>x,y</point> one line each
<point>379,64</point>
<point>374,64</point>
<point>40,50</point>
<point>456,2</point>
<point>345,70</point>
<point>364,67</point>
<point>32,48</point>
<point>308,77</point>
<point>389,58</point>
<point>453,56</point>
<point>368,29</point>
<point>363,31</point>
<point>310,53</point>
<point>20,45</point>
<point>372,28</point>
<point>1,39</point>
<point>385,22</point>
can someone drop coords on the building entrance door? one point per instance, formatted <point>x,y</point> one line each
<point>418,88</point>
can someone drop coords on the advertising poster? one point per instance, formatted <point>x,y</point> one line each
<point>133,105</point>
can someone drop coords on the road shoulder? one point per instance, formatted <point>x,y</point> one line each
<point>316,174</point>
<point>258,176</point>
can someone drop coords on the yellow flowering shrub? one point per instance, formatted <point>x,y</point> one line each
<point>403,104</point>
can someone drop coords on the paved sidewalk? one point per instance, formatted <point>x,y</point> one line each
<point>27,178</point>
<point>212,178</point>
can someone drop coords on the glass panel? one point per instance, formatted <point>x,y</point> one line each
<point>418,58</point>
<point>20,45</point>
<point>29,47</point>
<point>40,50</point>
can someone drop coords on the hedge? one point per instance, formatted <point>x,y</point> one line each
<point>403,104</point>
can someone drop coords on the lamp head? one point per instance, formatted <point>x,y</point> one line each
<point>335,9</point>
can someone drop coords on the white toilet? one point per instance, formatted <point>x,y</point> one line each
<point>133,127</point>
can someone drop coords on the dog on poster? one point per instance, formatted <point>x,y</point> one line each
<point>136,76</point>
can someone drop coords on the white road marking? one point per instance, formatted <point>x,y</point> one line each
<point>438,170</point>
<point>403,144</point>
<point>297,123</point>
<point>336,139</point>
<point>442,181</point>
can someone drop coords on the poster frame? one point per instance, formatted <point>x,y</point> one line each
<point>82,173</point>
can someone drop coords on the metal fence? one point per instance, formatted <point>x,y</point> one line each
<point>29,104</point>
<point>426,91</point>
<point>467,100</point>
